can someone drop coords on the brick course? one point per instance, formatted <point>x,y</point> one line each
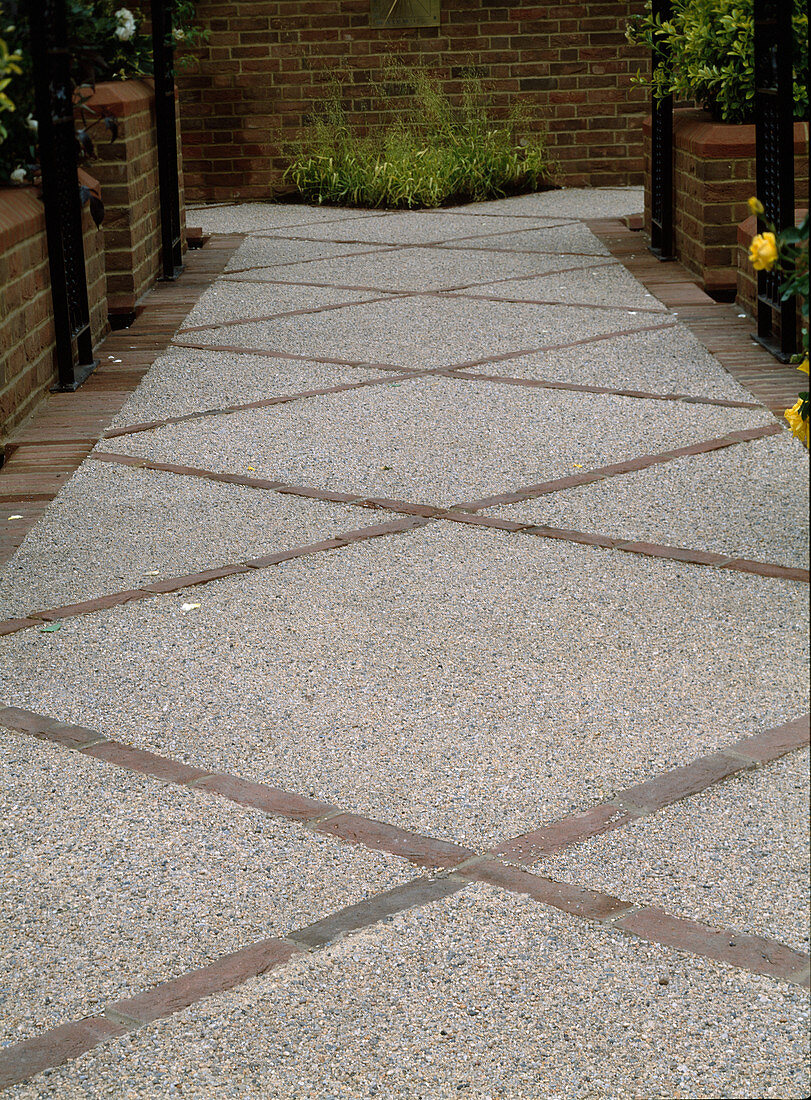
<point>268,63</point>
<point>26,310</point>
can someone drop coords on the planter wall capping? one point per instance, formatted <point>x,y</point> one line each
<point>713,176</point>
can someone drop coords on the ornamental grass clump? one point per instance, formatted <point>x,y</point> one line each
<point>788,252</point>
<point>438,154</point>
<point>707,50</point>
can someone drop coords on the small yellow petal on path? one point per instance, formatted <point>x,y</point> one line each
<point>189,606</point>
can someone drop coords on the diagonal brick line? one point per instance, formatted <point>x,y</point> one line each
<point>484,361</point>
<point>552,302</point>
<point>399,295</point>
<point>291,313</point>
<point>418,515</point>
<point>408,373</point>
<point>266,402</point>
<point>268,353</point>
<point>374,251</point>
<point>663,790</point>
<point>630,465</point>
<point>649,923</point>
<point>67,1042</point>
<point>190,580</point>
<point>645,395</point>
<point>419,244</point>
<point>608,262</point>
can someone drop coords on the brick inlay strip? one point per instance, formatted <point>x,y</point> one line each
<point>66,1042</point>
<point>190,580</point>
<point>645,395</point>
<point>268,353</point>
<point>662,790</point>
<point>627,466</point>
<point>755,953</point>
<point>293,313</point>
<point>266,402</point>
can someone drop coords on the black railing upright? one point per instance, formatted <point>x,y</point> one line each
<point>166,124</point>
<point>58,158</point>
<point>774,142</point>
<point>661,199</point>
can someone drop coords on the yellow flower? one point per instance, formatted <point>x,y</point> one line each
<point>755,206</point>
<point>798,424</point>
<point>804,365</point>
<point>763,251</point>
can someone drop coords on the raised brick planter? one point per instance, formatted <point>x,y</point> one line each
<point>26,309</point>
<point>713,176</point>
<point>128,171</point>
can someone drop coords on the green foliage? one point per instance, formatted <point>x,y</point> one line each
<point>711,46</point>
<point>437,154</point>
<point>105,43</point>
<point>9,68</point>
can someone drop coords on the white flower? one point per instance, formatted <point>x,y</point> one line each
<point>178,34</point>
<point>18,175</point>
<point>32,123</point>
<point>126,24</point>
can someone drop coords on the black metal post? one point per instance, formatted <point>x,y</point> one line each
<point>166,124</point>
<point>774,150</point>
<point>661,198</point>
<point>56,139</point>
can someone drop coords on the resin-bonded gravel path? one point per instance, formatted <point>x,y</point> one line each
<point>408,695</point>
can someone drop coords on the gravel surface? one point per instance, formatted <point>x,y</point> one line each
<point>113,882</point>
<point>425,227</point>
<point>252,217</point>
<point>225,302</point>
<point>424,332</point>
<point>189,380</point>
<point>573,238</point>
<point>454,681</point>
<point>670,360</point>
<point>278,253</point>
<point>607,285</point>
<point>735,855</point>
<point>419,268</point>
<point>485,995</point>
<point>575,202</point>
<point>469,684</point>
<point>762,514</point>
<point>146,526</point>
<point>436,440</point>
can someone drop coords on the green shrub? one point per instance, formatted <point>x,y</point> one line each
<point>711,46</point>
<point>437,154</point>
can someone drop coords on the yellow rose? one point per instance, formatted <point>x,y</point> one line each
<point>755,206</point>
<point>798,425</point>
<point>804,365</point>
<point>763,251</point>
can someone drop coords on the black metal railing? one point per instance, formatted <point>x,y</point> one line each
<point>774,142</point>
<point>661,197</point>
<point>58,158</point>
<point>166,124</point>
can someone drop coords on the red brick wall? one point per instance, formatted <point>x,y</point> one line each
<point>26,312</point>
<point>268,62</point>
<point>713,176</point>
<point>127,169</point>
